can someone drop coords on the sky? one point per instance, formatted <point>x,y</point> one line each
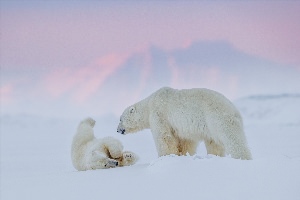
<point>79,58</point>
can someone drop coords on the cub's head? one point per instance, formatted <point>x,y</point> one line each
<point>129,121</point>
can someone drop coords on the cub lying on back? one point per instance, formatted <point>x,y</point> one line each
<point>91,153</point>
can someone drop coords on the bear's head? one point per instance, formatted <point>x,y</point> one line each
<point>105,163</point>
<point>130,121</point>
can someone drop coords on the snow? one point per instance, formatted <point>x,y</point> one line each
<point>36,163</point>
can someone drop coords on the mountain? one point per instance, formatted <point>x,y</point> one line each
<point>114,82</point>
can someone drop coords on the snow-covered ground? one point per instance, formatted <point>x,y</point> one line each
<point>36,164</point>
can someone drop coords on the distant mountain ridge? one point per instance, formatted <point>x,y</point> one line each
<point>114,82</point>
<point>280,109</point>
<point>211,64</point>
<point>275,96</point>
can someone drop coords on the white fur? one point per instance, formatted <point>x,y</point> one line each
<point>91,153</point>
<point>180,119</point>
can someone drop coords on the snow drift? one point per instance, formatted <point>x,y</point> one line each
<point>36,162</point>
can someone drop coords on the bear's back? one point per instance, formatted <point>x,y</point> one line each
<point>191,103</point>
<point>208,99</point>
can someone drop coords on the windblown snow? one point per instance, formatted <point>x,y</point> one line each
<point>36,162</point>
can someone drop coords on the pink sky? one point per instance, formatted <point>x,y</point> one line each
<point>269,29</point>
<point>81,44</point>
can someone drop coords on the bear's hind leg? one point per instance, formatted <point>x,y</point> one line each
<point>213,148</point>
<point>113,147</point>
<point>235,142</point>
<point>237,147</point>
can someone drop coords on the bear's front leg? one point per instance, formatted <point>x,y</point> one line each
<point>166,143</point>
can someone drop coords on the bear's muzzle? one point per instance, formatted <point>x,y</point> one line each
<point>122,131</point>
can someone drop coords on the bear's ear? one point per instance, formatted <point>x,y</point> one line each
<point>132,110</point>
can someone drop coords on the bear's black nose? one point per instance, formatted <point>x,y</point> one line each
<point>117,164</point>
<point>122,131</point>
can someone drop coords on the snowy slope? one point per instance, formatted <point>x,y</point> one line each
<point>280,109</point>
<point>35,160</point>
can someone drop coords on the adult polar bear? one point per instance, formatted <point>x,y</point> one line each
<point>180,119</point>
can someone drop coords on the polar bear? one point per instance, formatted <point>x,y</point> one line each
<point>90,153</point>
<point>180,119</point>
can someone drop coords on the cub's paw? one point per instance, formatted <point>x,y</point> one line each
<point>129,158</point>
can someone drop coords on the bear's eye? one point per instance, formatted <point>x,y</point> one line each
<point>132,110</point>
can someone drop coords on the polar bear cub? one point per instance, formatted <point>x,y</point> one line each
<point>90,153</point>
